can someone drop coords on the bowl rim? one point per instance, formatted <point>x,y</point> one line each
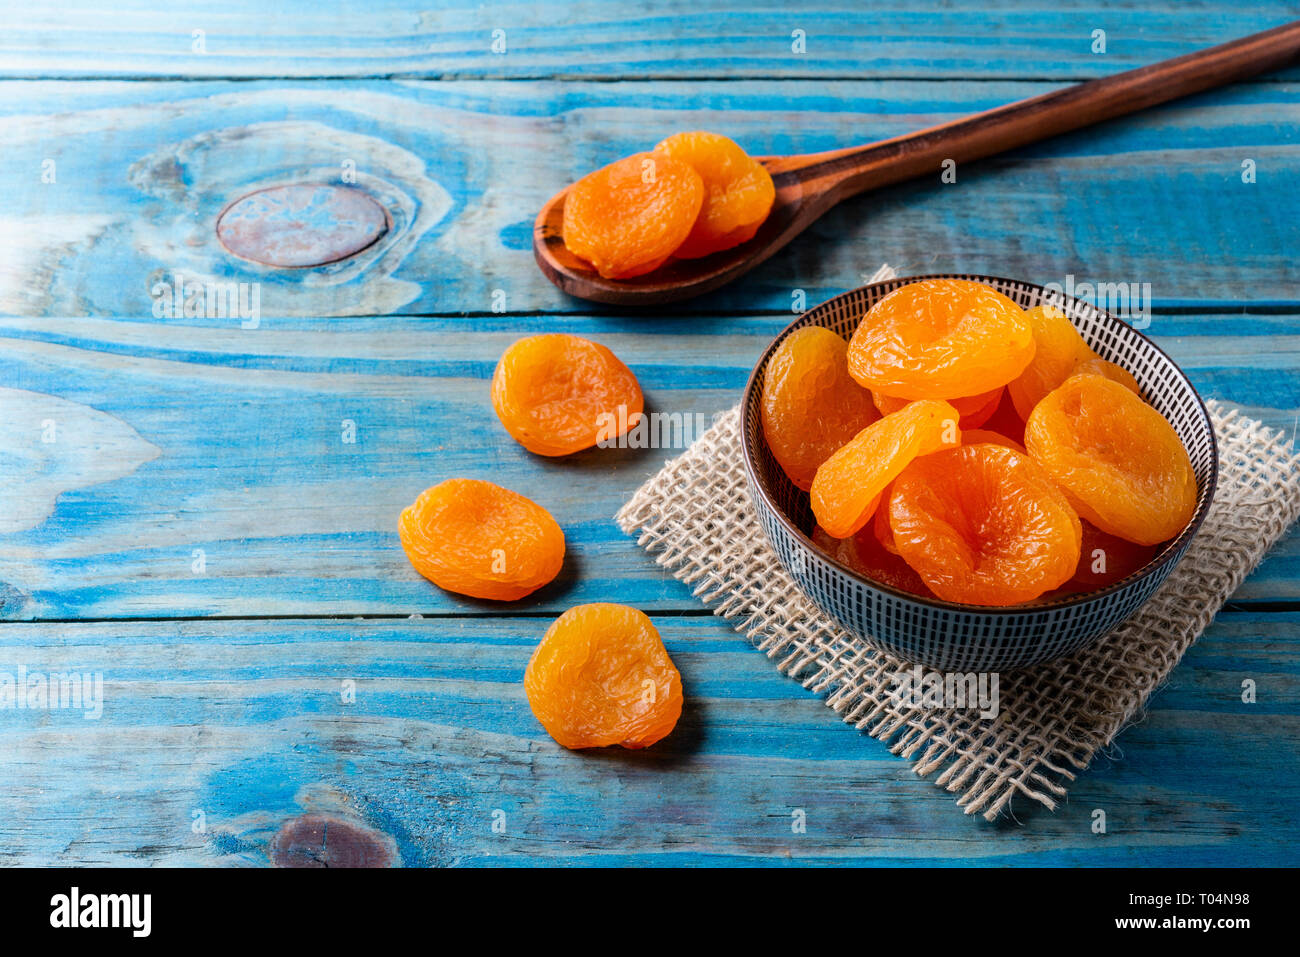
<point>1171,553</point>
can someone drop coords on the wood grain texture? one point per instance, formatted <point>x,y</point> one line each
<point>600,39</point>
<point>195,467</point>
<point>144,169</point>
<point>241,727</point>
<point>254,469</point>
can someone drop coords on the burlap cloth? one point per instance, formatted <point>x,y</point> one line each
<point>695,516</point>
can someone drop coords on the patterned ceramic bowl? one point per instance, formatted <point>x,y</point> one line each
<point>944,635</point>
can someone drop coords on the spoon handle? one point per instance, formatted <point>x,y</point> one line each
<point>838,174</point>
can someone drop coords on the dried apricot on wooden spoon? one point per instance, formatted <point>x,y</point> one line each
<point>627,218</point>
<point>738,192</point>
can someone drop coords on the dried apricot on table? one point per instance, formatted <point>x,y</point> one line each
<point>738,192</point>
<point>810,405</point>
<point>1118,460</point>
<point>627,218</point>
<point>1105,559</point>
<point>602,676</point>
<point>974,410</point>
<point>847,486</point>
<point>558,393</point>
<point>984,525</point>
<point>940,338</point>
<point>1058,348</point>
<point>479,539</point>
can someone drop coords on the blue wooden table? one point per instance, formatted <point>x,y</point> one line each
<point>202,509</point>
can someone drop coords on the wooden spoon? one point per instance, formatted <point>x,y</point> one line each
<point>807,185</point>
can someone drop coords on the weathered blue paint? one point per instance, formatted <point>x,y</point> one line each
<point>1154,198</point>
<point>287,454</point>
<point>411,736</point>
<point>615,39</point>
<point>301,224</point>
<point>246,722</point>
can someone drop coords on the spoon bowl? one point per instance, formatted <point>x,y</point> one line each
<point>678,278</point>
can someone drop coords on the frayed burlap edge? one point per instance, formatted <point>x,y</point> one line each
<point>696,517</point>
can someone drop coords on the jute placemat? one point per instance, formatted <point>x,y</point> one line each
<point>695,516</point>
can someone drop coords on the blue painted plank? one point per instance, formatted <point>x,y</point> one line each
<point>171,437</point>
<point>241,726</point>
<point>615,40</point>
<point>142,170</point>
<point>206,470</point>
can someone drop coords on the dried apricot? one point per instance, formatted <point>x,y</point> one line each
<point>984,525</point>
<point>810,405</point>
<point>880,520</point>
<point>939,338</point>
<point>1118,460</point>
<point>1105,559</point>
<point>738,191</point>
<point>1005,420</point>
<point>978,436</point>
<point>601,676</point>
<point>866,555</point>
<point>1058,348</point>
<point>974,410</point>
<point>479,539</point>
<point>558,393</point>
<point>847,486</point>
<point>629,217</point>
<point>1109,370</point>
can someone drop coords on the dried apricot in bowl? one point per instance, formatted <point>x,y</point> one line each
<point>627,218</point>
<point>479,539</point>
<point>880,521</point>
<point>558,393</point>
<point>810,405</point>
<point>867,555</point>
<point>940,338</point>
<point>601,676</point>
<point>738,192</point>
<point>847,486</point>
<point>984,525</point>
<point>978,436</point>
<point>1108,370</point>
<point>1058,348</point>
<point>1105,559</point>
<point>974,410</point>
<point>1121,464</point>
<point>1006,420</point>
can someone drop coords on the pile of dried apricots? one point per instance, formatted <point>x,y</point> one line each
<point>957,446</point>
<point>963,448</point>
<point>601,675</point>
<point>693,195</point>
